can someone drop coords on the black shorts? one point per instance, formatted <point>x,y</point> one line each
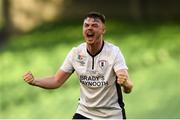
<point>79,116</point>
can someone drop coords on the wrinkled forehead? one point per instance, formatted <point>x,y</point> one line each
<point>92,19</point>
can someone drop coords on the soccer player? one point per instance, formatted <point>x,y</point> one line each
<point>101,69</point>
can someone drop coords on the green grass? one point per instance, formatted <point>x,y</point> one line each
<point>151,51</point>
<point>156,95</point>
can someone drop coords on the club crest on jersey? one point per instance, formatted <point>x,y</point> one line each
<point>102,64</point>
<point>81,58</point>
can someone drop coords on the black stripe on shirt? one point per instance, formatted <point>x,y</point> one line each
<point>120,99</point>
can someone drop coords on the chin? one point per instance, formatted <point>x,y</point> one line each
<point>90,41</point>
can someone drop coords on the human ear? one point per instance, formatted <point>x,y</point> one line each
<point>104,30</point>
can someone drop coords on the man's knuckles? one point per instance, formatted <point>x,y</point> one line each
<point>120,81</point>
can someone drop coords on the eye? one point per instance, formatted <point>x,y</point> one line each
<point>95,25</point>
<point>86,25</point>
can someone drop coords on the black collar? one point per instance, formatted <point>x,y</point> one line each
<point>97,52</point>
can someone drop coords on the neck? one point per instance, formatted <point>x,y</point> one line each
<point>95,48</point>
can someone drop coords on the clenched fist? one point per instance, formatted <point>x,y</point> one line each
<point>124,81</point>
<point>122,77</point>
<point>28,77</point>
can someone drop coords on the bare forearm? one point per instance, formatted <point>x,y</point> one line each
<point>47,83</point>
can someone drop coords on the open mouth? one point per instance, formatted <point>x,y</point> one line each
<point>90,34</point>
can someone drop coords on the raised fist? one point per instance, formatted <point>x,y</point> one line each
<point>28,77</point>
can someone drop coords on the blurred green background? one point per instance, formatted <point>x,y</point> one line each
<point>151,49</point>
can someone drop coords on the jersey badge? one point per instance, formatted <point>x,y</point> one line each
<point>102,64</point>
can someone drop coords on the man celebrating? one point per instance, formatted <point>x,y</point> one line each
<point>101,69</point>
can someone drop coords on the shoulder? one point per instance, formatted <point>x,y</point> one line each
<point>80,47</point>
<point>111,47</point>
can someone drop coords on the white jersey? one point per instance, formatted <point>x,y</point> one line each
<point>100,95</point>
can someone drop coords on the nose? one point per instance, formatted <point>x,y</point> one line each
<point>89,27</point>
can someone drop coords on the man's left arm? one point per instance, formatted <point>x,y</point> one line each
<point>124,81</point>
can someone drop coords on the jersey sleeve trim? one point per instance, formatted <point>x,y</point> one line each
<point>67,66</point>
<point>119,62</point>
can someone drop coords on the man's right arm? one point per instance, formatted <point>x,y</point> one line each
<point>49,82</point>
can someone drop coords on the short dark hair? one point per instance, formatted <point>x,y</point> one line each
<point>96,15</point>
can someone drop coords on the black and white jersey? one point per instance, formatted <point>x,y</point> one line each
<point>100,95</point>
